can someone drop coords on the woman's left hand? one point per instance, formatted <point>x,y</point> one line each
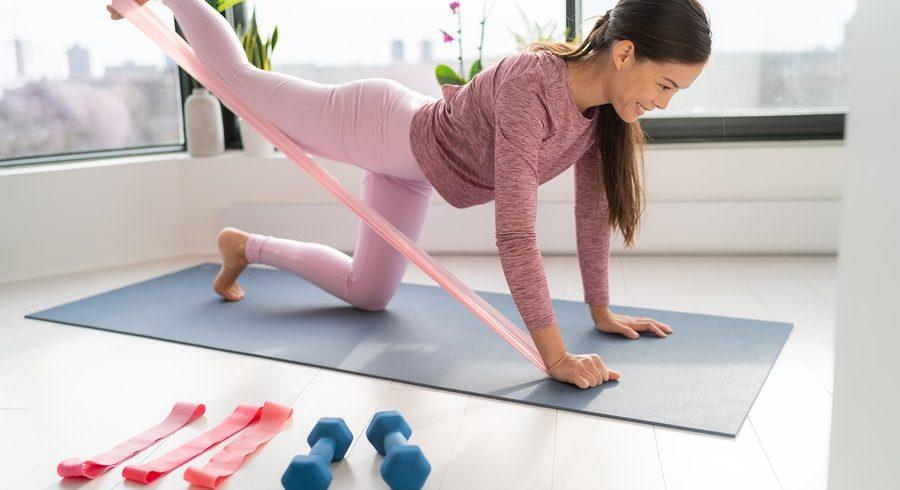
<point>629,326</point>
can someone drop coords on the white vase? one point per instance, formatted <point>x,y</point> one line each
<point>255,144</point>
<point>203,123</point>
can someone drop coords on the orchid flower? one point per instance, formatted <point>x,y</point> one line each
<point>446,75</point>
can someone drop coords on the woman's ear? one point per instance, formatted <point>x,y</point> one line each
<point>623,54</point>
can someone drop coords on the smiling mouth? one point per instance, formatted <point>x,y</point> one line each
<point>640,108</point>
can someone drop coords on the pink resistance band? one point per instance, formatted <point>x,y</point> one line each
<point>170,42</point>
<point>271,418</point>
<point>242,416</point>
<point>182,414</point>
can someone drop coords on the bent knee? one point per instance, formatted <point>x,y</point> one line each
<point>374,301</point>
<point>372,305</point>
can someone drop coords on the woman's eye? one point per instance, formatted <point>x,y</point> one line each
<point>663,86</point>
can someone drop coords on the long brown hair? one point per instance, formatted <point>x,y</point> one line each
<point>662,31</point>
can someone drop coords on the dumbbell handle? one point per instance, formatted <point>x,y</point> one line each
<point>324,449</point>
<point>395,438</point>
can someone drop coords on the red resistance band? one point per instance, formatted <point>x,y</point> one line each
<point>242,416</point>
<point>226,462</point>
<point>182,414</point>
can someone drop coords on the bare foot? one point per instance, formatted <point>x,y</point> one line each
<point>231,246</point>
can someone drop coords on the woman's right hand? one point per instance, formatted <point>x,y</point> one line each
<point>582,370</point>
<point>115,15</point>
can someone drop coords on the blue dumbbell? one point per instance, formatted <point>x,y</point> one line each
<point>404,466</point>
<point>329,440</point>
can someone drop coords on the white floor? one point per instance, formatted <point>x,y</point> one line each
<point>75,392</point>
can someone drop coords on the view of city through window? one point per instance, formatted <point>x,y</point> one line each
<point>72,81</point>
<point>87,83</point>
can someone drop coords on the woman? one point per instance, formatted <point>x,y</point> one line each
<point>514,126</point>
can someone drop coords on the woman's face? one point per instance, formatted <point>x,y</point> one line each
<point>642,86</point>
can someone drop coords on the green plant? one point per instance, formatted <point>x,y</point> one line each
<point>535,32</point>
<point>259,52</point>
<point>448,76</point>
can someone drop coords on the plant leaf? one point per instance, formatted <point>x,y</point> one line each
<point>476,69</point>
<point>245,41</point>
<point>274,39</point>
<point>260,51</point>
<point>447,76</point>
<point>225,4</point>
<point>253,27</point>
<point>252,52</point>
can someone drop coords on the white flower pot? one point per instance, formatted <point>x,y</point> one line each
<point>203,123</point>
<point>255,144</point>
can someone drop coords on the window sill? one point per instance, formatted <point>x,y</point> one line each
<point>238,153</point>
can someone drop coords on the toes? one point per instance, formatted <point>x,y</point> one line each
<point>231,293</point>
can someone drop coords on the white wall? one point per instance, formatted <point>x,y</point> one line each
<point>72,217</point>
<point>717,198</point>
<point>866,412</point>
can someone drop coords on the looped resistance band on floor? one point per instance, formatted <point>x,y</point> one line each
<point>176,47</point>
<point>271,419</point>
<point>182,414</point>
<point>242,416</point>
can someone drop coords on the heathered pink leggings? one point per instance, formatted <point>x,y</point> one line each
<point>364,122</point>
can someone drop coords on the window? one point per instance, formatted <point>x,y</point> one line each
<point>74,83</point>
<point>337,42</point>
<point>773,57</point>
<point>777,69</point>
<point>87,86</point>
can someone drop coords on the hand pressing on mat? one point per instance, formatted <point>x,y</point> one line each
<point>629,326</point>
<point>582,370</point>
<point>115,15</point>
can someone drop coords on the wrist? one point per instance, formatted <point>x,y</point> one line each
<point>550,345</point>
<point>600,311</point>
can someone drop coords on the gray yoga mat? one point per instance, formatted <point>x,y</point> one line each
<point>704,377</point>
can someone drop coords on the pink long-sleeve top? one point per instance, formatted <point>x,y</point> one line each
<point>513,127</point>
